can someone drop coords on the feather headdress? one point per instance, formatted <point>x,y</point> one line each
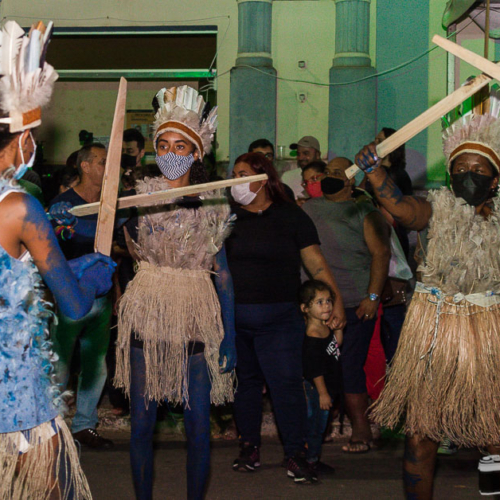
<point>26,80</point>
<point>479,134</point>
<point>183,110</point>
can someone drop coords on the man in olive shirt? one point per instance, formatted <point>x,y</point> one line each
<point>355,240</point>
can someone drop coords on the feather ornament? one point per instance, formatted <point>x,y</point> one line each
<point>46,39</point>
<point>27,80</point>
<point>12,35</point>
<point>473,128</point>
<point>33,54</point>
<point>184,104</point>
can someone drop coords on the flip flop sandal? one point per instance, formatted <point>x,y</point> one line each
<point>366,449</point>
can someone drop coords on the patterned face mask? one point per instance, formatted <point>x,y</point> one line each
<point>173,166</point>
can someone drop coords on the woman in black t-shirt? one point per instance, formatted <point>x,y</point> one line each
<point>270,241</point>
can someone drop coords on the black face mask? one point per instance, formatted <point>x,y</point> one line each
<point>473,188</point>
<point>128,161</point>
<point>331,185</point>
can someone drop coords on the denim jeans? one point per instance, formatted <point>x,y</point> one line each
<point>196,424</point>
<point>390,328</point>
<point>357,337</point>
<point>317,420</point>
<point>93,333</point>
<point>269,340</point>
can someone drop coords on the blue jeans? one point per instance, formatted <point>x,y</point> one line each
<point>93,333</point>
<point>196,424</point>
<point>390,329</point>
<point>317,420</point>
<point>269,340</point>
<point>357,337</point>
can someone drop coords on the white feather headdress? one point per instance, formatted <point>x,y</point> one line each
<point>183,110</point>
<point>479,134</point>
<point>26,80</point>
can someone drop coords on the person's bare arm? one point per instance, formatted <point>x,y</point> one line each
<point>325,401</point>
<point>377,238</point>
<point>315,263</point>
<point>413,212</point>
<point>339,336</point>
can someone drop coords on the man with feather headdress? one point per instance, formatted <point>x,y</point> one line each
<point>444,380</point>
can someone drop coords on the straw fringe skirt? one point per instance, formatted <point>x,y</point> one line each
<point>39,477</point>
<point>445,377</point>
<point>166,308</point>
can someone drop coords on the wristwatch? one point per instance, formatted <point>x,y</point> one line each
<point>373,297</point>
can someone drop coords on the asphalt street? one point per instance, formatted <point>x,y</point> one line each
<point>375,475</point>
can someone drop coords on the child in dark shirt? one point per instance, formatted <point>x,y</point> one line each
<point>322,374</point>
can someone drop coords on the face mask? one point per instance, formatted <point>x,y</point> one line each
<point>473,188</point>
<point>313,189</point>
<point>128,161</point>
<point>242,194</point>
<point>332,185</point>
<point>23,167</point>
<point>173,166</point>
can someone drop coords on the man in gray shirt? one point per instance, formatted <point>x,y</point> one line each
<point>355,240</point>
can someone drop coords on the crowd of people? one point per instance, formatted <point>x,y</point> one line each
<point>284,283</point>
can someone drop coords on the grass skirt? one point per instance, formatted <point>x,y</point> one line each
<point>45,471</point>
<point>167,308</point>
<point>444,381</point>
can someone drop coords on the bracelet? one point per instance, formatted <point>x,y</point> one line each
<point>65,232</point>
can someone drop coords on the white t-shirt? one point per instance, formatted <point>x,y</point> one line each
<point>293,179</point>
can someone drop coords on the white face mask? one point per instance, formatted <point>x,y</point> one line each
<point>23,167</point>
<point>242,194</point>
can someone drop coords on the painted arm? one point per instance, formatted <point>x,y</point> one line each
<point>315,263</point>
<point>377,237</point>
<point>74,298</point>
<point>413,212</point>
<point>224,287</point>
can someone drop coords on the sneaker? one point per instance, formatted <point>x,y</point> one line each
<point>92,439</point>
<point>320,468</point>
<point>249,458</point>
<point>446,447</point>
<point>299,470</point>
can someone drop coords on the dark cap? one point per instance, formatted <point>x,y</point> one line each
<point>307,141</point>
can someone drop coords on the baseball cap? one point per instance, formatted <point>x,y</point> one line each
<point>308,141</point>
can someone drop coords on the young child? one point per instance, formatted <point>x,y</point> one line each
<point>322,373</point>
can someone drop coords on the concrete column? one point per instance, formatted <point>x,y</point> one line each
<point>352,107</point>
<point>404,94</point>
<point>253,90</point>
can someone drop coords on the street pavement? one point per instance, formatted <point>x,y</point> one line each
<point>372,476</point>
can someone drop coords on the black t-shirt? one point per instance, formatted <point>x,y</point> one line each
<point>263,253</point>
<point>78,245</point>
<point>321,357</point>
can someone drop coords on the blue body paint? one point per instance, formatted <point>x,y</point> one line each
<point>73,298</point>
<point>224,287</point>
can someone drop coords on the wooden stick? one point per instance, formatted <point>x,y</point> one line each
<point>111,180</point>
<point>479,62</point>
<point>148,199</point>
<point>426,119</point>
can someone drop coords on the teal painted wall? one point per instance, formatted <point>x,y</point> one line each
<point>402,33</point>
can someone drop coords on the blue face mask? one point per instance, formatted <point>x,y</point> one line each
<point>23,167</point>
<point>173,166</point>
